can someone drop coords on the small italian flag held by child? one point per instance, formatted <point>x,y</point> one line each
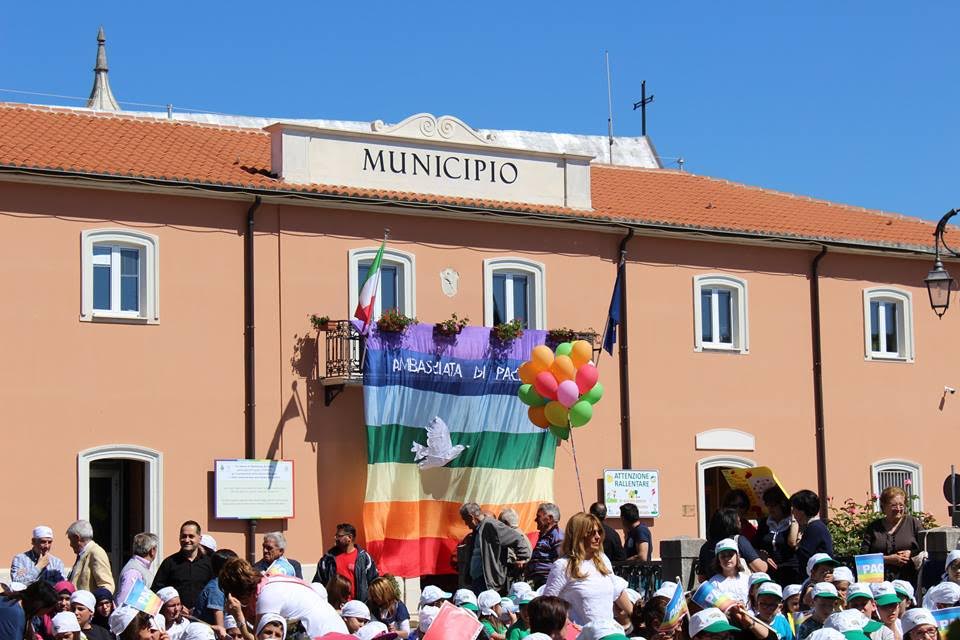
<point>368,293</point>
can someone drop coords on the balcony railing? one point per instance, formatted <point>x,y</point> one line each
<point>342,358</point>
<point>342,363</point>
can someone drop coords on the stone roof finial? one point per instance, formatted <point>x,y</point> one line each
<point>101,98</point>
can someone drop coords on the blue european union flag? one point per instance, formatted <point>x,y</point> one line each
<point>613,318</point>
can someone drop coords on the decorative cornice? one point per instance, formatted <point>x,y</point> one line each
<point>425,126</point>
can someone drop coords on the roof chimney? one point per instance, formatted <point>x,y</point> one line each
<point>101,98</point>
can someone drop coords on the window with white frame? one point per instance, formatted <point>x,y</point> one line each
<point>903,474</point>
<point>397,281</point>
<point>514,289</point>
<point>720,313</point>
<point>888,324</point>
<point>120,278</point>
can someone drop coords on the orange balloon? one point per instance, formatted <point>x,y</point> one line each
<point>563,369</point>
<point>526,373</point>
<point>541,357</point>
<point>582,353</point>
<point>538,417</point>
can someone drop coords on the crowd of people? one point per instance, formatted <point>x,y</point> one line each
<point>778,578</point>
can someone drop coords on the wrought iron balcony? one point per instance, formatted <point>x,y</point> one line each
<point>343,353</point>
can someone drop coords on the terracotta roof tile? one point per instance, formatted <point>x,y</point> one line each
<point>47,138</point>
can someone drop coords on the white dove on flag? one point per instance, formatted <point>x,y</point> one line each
<point>439,449</point>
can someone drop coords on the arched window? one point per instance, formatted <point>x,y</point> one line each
<point>397,280</point>
<point>888,324</point>
<point>120,276</point>
<point>720,313</point>
<point>899,473</point>
<point>514,288</point>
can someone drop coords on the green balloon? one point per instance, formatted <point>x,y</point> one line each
<point>594,395</point>
<point>564,348</point>
<point>529,396</point>
<point>580,413</point>
<point>561,432</point>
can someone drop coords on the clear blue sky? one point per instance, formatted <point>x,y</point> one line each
<point>857,102</point>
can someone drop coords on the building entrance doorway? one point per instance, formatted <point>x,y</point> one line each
<point>712,487</point>
<point>117,506</point>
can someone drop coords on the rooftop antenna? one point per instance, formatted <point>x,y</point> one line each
<point>606,55</point>
<point>642,105</point>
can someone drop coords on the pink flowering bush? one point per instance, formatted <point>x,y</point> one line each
<point>850,520</point>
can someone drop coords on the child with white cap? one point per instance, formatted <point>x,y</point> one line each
<point>271,627</point>
<point>791,605</point>
<point>825,601</point>
<point>427,615</point>
<point>769,598</point>
<point>852,624</point>
<point>466,599</point>
<point>842,579</point>
<point>860,598</point>
<point>521,628</point>
<point>355,614</point>
<point>602,630</point>
<point>83,604</point>
<point>490,609</point>
<point>375,629</point>
<point>231,627</point>
<point>888,605</point>
<point>820,568</point>
<point>728,577</point>
<point>65,626</point>
<point>172,612</point>
<point>919,624</point>
<point>941,596</point>
<point>433,595</point>
<point>710,624</point>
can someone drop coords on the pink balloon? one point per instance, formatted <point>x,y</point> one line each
<point>568,393</point>
<point>587,376</point>
<point>546,385</point>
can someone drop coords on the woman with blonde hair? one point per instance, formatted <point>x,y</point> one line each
<point>386,607</point>
<point>895,535</point>
<point>285,596</point>
<point>583,576</point>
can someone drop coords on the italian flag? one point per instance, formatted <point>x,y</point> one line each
<point>368,293</point>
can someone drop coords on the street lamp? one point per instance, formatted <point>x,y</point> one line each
<point>939,282</point>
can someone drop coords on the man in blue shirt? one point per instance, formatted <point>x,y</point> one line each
<point>638,542</point>
<point>38,563</point>
<point>548,547</point>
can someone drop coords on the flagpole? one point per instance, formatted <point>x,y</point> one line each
<point>366,329</point>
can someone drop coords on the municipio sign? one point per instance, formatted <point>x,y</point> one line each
<point>639,486</point>
<point>253,489</point>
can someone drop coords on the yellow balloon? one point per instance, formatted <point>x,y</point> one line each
<point>526,373</point>
<point>556,413</point>
<point>582,353</point>
<point>563,369</point>
<point>541,357</point>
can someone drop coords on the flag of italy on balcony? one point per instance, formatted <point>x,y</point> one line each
<point>368,292</point>
<point>411,516</point>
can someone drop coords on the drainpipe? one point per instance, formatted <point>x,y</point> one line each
<point>625,444</point>
<point>249,379</point>
<point>820,438</point>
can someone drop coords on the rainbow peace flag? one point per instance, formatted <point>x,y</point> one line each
<point>675,610</point>
<point>142,599</point>
<point>709,596</point>
<point>411,517</point>
<point>869,567</point>
<point>944,618</point>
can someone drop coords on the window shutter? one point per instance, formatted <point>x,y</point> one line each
<point>895,478</point>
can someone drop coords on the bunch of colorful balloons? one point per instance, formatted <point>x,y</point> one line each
<point>560,387</point>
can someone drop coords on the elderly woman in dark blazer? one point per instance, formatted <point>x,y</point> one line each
<point>895,536</point>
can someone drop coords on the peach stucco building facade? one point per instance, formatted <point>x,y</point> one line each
<point>145,404</point>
